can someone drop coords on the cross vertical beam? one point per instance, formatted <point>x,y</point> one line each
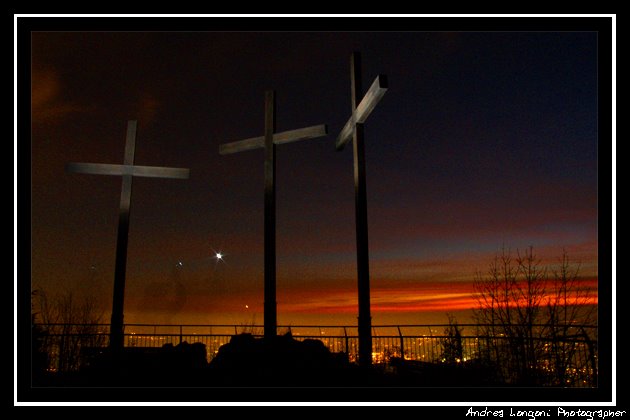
<point>270,306</point>
<point>353,129</point>
<point>116,332</point>
<point>128,170</point>
<point>269,142</point>
<point>360,201</point>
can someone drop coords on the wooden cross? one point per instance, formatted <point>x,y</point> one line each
<point>361,109</point>
<point>269,142</point>
<point>127,170</point>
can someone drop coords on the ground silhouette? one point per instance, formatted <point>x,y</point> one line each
<point>247,361</point>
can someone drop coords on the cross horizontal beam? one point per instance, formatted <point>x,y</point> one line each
<point>133,170</point>
<point>364,109</point>
<point>278,138</point>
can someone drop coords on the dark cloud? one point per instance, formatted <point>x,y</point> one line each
<point>47,102</point>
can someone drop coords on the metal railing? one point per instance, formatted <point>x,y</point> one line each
<point>567,361</point>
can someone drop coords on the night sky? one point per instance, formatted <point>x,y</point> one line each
<point>483,141</point>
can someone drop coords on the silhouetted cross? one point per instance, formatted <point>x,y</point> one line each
<point>128,170</point>
<point>269,142</point>
<point>361,109</point>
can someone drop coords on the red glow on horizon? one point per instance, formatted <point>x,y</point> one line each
<point>433,297</point>
<point>418,297</point>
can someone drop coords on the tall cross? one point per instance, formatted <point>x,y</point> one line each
<point>127,170</point>
<point>361,109</point>
<point>269,142</point>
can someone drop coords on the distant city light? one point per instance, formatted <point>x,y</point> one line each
<point>219,256</point>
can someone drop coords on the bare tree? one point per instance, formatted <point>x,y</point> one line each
<point>527,319</point>
<point>39,355</point>
<point>569,310</point>
<point>70,324</point>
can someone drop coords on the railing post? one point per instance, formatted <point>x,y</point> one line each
<point>402,343</point>
<point>590,345</point>
<point>180,334</point>
<point>376,345</point>
<point>345,333</point>
<point>61,365</point>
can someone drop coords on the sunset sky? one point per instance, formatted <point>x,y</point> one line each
<point>484,140</point>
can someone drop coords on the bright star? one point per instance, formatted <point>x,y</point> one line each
<point>219,257</point>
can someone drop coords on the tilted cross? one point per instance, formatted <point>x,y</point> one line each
<point>127,170</point>
<point>269,142</point>
<point>361,109</point>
